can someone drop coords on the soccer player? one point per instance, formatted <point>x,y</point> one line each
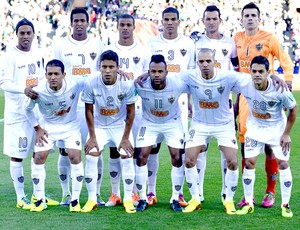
<point>250,43</point>
<point>109,124</point>
<point>226,58</point>
<point>267,117</point>
<point>57,102</point>
<point>160,106</point>
<point>179,53</point>
<point>80,53</point>
<point>134,59</point>
<point>210,89</point>
<point>22,69</point>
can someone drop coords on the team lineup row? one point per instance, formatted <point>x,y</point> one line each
<point>81,60</point>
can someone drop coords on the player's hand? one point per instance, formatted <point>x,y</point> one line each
<point>29,92</point>
<point>279,82</point>
<point>40,137</point>
<point>139,81</point>
<point>124,76</point>
<point>285,143</point>
<point>125,148</point>
<point>90,144</point>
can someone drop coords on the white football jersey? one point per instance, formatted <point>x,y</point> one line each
<point>22,69</point>
<point>210,97</point>
<point>179,53</point>
<point>134,59</point>
<point>225,49</point>
<point>57,107</point>
<point>109,100</point>
<point>79,57</point>
<point>160,106</point>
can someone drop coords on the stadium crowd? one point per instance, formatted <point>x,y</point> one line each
<point>51,18</point>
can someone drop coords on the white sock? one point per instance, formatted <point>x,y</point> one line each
<point>91,176</point>
<point>141,181</point>
<point>64,169</point>
<point>100,173</point>
<point>128,177</point>
<point>286,182</point>
<point>134,189</point>
<point>224,170</point>
<point>248,184</point>
<point>77,177</point>
<point>177,176</point>
<point>191,180</point>
<point>16,172</point>
<point>231,181</point>
<point>38,179</point>
<point>201,167</point>
<point>114,167</point>
<point>152,164</point>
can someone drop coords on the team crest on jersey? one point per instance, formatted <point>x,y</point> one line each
<point>136,60</point>
<point>271,103</point>
<point>93,55</point>
<point>221,89</point>
<point>121,96</point>
<point>183,52</point>
<point>225,52</point>
<point>72,96</point>
<point>171,99</point>
<point>259,46</point>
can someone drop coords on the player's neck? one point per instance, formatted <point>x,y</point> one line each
<point>215,35</point>
<point>79,37</point>
<point>23,49</point>
<point>251,32</point>
<point>158,87</point>
<point>262,87</point>
<point>170,36</point>
<point>126,42</point>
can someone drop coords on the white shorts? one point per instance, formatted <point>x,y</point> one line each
<point>200,134</point>
<point>66,136</point>
<point>136,124</point>
<point>183,105</point>
<point>253,148</point>
<point>111,137</point>
<point>150,132</point>
<point>18,139</point>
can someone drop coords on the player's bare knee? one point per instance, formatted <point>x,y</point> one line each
<point>249,164</point>
<point>39,159</point>
<point>177,161</point>
<point>283,165</point>
<point>189,163</point>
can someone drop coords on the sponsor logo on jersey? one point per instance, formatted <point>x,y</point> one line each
<point>208,105</point>
<point>159,113</point>
<point>108,112</point>
<point>69,54</point>
<point>21,67</point>
<point>259,46</point>
<point>271,103</point>
<point>261,115</point>
<point>158,51</point>
<point>225,52</point>
<point>93,55</point>
<point>183,52</point>
<point>171,99</point>
<point>49,104</point>
<point>136,60</point>
<point>221,89</point>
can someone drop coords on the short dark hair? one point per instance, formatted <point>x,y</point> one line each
<point>158,58</point>
<point>211,9</point>
<point>109,55</point>
<point>24,22</point>
<point>124,16</point>
<point>56,62</point>
<point>79,11</point>
<point>260,60</point>
<point>251,5</point>
<point>170,10</point>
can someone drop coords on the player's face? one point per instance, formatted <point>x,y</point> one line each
<point>250,19</point>
<point>79,24</point>
<point>206,63</point>
<point>170,22</point>
<point>108,69</point>
<point>259,76</point>
<point>25,37</point>
<point>211,21</point>
<point>54,77</point>
<point>158,73</point>
<point>126,28</point>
